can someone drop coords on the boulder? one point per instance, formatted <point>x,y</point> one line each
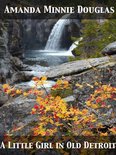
<point>16,113</point>
<point>105,74</point>
<point>76,67</point>
<point>110,49</point>
<point>21,77</point>
<point>13,70</point>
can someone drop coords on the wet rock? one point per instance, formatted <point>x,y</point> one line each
<point>19,65</point>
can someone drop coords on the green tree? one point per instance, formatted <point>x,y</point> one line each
<point>96,35</point>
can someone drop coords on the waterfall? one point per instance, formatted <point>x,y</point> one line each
<point>54,39</point>
<point>63,52</point>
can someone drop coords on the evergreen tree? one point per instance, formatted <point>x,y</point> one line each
<point>96,35</point>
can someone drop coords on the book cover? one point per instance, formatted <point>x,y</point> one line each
<point>57,77</point>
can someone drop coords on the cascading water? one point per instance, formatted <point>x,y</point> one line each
<point>74,45</point>
<point>68,52</point>
<point>53,54</point>
<point>54,39</point>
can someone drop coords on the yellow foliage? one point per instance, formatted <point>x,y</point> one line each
<point>44,78</point>
<point>5,86</point>
<point>113,130</point>
<point>18,91</point>
<point>87,133</point>
<point>25,94</point>
<point>79,85</point>
<point>104,134</point>
<point>55,114</point>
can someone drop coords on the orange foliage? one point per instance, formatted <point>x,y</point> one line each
<point>55,114</point>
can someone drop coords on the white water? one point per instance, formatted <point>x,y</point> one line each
<point>56,52</point>
<point>54,39</point>
<point>75,44</point>
<point>48,84</point>
<point>63,52</point>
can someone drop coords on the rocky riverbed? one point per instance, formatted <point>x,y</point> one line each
<point>16,111</point>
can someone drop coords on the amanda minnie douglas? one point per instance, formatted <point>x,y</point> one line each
<point>51,9</point>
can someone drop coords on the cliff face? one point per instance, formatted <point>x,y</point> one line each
<point>15,38</point>
<point>5,65</point>
<point>3,39</point>
<point>8,65</point>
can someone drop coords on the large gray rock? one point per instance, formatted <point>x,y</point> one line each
<point>16,113</point>
<point>105,74</point>
<point>77,67</point>
<point>110,49</point>
<point>11,70</point>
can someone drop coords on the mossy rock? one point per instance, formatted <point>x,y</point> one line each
<point>62,92</point>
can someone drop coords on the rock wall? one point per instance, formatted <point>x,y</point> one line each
<point>5,66</point>
<point>3,39</point>
<point>15,38</point>
<point>8,65</point>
